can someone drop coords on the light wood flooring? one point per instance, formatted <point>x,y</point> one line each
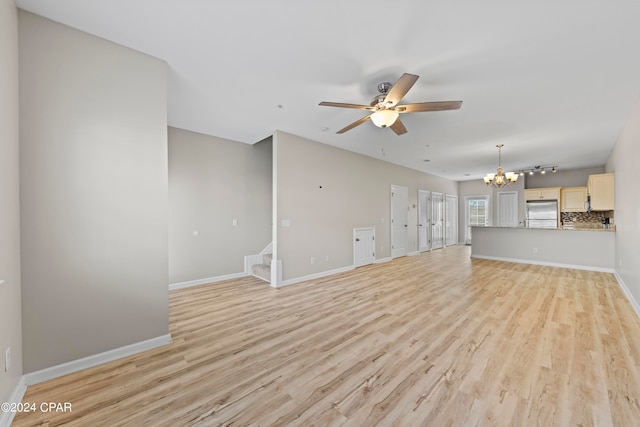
<point>436,339</point>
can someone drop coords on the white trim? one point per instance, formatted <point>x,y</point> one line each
<point>16,397</point>
<point>316,275</point>
<point>95,360</point>
<point>206,280</point>
<point>381,260</point>
<point>627,292</point>
<point>414,253</point>
<point>276,273</point>
<point>549,264</point>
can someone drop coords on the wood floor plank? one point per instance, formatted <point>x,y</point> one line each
<point>433,339</point>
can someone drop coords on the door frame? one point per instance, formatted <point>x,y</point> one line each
<point>422,246</point>
<point>451,217</point>
<point>435,194</point>
<point>394,189</point>
<point>487,221</point>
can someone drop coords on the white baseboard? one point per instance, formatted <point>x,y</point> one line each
<point>413,253</point>
<point>205,281</point>
<point>381,260</point>
<point>627,292</point>
<point>16,397</point>
<point>548,264</point>
<point>316,275</point>
<point>95,360</point>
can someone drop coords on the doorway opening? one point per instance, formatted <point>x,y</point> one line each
<point>477,213</point>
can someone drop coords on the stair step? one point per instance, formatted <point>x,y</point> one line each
<point>262,271</point>
<point>266,258</point>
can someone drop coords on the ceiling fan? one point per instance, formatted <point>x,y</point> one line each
<point>385,109</point>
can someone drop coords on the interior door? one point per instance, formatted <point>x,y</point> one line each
<point>364,246</point>
<point>399,220</point>
<point>508,208</point>
<point>423,220</point>
<point>437,220</point>
<point>451,220</point>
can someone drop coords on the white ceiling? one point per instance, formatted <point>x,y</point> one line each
<point>552,81</point>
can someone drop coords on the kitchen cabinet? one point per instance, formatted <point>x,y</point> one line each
<point>601,190</point>
<point>550,193</point>
<point>574,199</point>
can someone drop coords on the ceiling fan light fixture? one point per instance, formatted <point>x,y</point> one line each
<point>384,118</point>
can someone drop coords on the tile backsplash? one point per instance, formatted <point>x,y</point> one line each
<point>584,217</point>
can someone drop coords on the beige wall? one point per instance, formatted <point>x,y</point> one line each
<point>624,161</point>
<point>356,192</point>
<point>93,175</point>
<point>213,181</point>
<point>10,318</point>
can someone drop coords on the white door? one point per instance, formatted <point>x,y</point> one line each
<point>477,214</point>
<point>423,220</point>
<point>399,220</point>
<point>508,208</point>
<point>364,246</point>
<point>437,220</point>
<point>451,220</point>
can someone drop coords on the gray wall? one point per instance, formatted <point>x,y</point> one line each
<point>356,192</point>
<point>10,323</point>
<point>578,248</point>
<point>562,178</point>
<point>93,174</point>
<point>213,181</point>
<point>624,161</point>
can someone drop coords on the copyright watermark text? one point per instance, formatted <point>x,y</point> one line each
<point>35,407</point>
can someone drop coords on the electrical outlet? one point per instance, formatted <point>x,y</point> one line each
<point>7,359</point>
<point>535,250</point>
<point>313,260</point>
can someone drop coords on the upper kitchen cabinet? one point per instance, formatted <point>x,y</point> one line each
<point>601,190</point>
<point>551,193</point>
<point>574,199</point>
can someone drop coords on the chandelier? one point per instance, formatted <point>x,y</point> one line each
<point>500,180</point>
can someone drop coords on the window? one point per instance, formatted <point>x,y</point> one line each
<point>477,214</point>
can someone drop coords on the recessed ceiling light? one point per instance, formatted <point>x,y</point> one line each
<point>426,160</point>
<point>324,128</point>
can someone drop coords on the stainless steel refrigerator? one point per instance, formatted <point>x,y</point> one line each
<point>542,214</point>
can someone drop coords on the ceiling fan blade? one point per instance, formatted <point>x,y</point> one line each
<point>345,105</point>
<point>354,124</point>
<point>429,106</point>
<point>400,89</point>
<point>398,127</point>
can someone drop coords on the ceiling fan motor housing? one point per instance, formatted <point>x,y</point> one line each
<point>384,87</point>
<point>377,101</point>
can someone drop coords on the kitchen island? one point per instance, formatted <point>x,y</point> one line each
<point>580,248</point>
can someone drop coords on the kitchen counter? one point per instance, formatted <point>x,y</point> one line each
<point>581,248</point>
<point>611,228</point>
